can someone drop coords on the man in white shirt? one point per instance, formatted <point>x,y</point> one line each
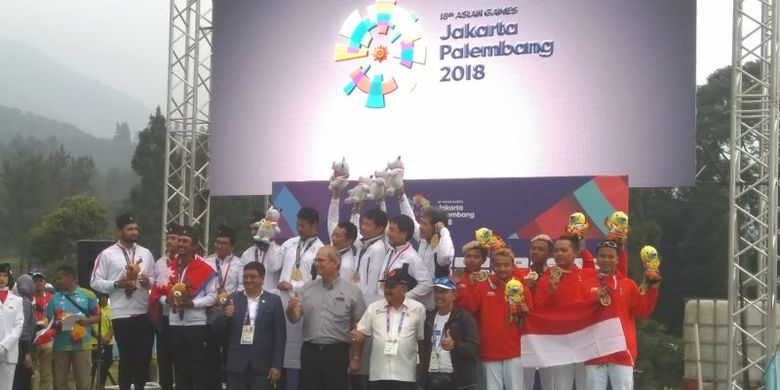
<point>164,351</point>
<point>188,314</point>
<point>269,255</point>
<point>342,236</point>
<point>370,247</point>
<point>396,326</point>
<point>298,254</point>
<point>125,271</point>
<point>436,247</point>
<point>401,254</point>
<point>227,267</point>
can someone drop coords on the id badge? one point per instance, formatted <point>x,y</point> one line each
<point>247,334</point>
<point>434,366</point>
<point>391,347</point>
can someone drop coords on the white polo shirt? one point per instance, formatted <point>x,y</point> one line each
<point>403,365</point>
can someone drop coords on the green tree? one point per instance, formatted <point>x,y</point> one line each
<point>76,218</point>
<point>122,134</point>
<point>146,198</point>
<point>35,176</point>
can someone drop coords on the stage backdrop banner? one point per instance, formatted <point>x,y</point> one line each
<point>459,88</point>
<point>516,208</point>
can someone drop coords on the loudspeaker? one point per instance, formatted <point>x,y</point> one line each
<point>88,251</point>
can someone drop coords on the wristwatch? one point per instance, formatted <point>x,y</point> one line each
<point>116,284</point>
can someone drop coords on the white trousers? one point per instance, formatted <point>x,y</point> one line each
<point>565,376</point>
<point>504,374</point>
<point>545,376</point>
<point>7,371</point>
<point>620,377</point>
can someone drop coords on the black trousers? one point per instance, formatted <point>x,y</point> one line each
<point>217,344</point>
<point>324,366</point>
<point>190,357</point>
<point>106,359</point>
<point>134,338</point>
<point>165,356</point>
<point>358,382</point>
<point>23,375</point>
<point>391,385</point>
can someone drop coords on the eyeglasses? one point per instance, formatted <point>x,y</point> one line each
<point>443,280</point>
<point>607,244</point>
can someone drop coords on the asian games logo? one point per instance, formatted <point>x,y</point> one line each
<point>387,43</point>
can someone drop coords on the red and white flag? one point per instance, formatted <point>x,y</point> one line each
<point>572,334</point>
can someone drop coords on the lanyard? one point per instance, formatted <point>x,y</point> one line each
<point>247,317</point>
<point>128,259</point>
<point>363,251</point>
<point>436,341</point>
<point>219,270</point>
<point>394,259</point>
<point>351,247</point>
<point>400,322</point>
<point>603,283</point>
<point>257,257</point>
<point>299,253</point>
<point>184,270</point>
<point>247,320</point>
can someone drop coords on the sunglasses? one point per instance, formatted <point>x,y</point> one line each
<point>607,244</point>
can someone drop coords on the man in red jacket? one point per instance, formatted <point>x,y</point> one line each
<point>618,367</point>
<point>474,257</point>
<point>563,285</point>
<point>499,324</point>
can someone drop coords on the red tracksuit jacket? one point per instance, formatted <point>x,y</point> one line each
<point>631,305</point>
<point>498,339</point>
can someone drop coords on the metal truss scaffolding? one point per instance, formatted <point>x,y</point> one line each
<point>186,193</point>
<point>753,211</point>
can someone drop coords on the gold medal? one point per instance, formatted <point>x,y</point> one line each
<point>435,240</point>
<point>297,275</point>
<point>356,277</point>
<point>605,300</point>
<point>482,276</point>
<point>556,273</point>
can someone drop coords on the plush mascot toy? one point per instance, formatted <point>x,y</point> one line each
<point>269,226</point>
<point>651,264</point>
<point>376,191</point>
<point>395,177</point>
<point>578,226</point>
<point>514,295</point>
<point>359,192</point>
<point>340,176</point>
<point>617,223</point>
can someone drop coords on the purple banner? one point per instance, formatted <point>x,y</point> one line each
<point>515,208</point>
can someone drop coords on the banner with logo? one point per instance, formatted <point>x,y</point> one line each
<point>516,208</point>
<point>460,88</point>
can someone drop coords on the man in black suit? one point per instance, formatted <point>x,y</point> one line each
<point>257,334</point>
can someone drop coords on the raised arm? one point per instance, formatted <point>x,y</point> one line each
<point>406,209</point>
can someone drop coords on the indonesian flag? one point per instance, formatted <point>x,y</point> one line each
<point>571,334</point>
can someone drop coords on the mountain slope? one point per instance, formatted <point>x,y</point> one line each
<point>34,82</point>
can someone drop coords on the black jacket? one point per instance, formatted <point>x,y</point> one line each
<point>465,356</point>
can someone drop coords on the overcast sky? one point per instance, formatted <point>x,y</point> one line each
<point>124,43</point>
